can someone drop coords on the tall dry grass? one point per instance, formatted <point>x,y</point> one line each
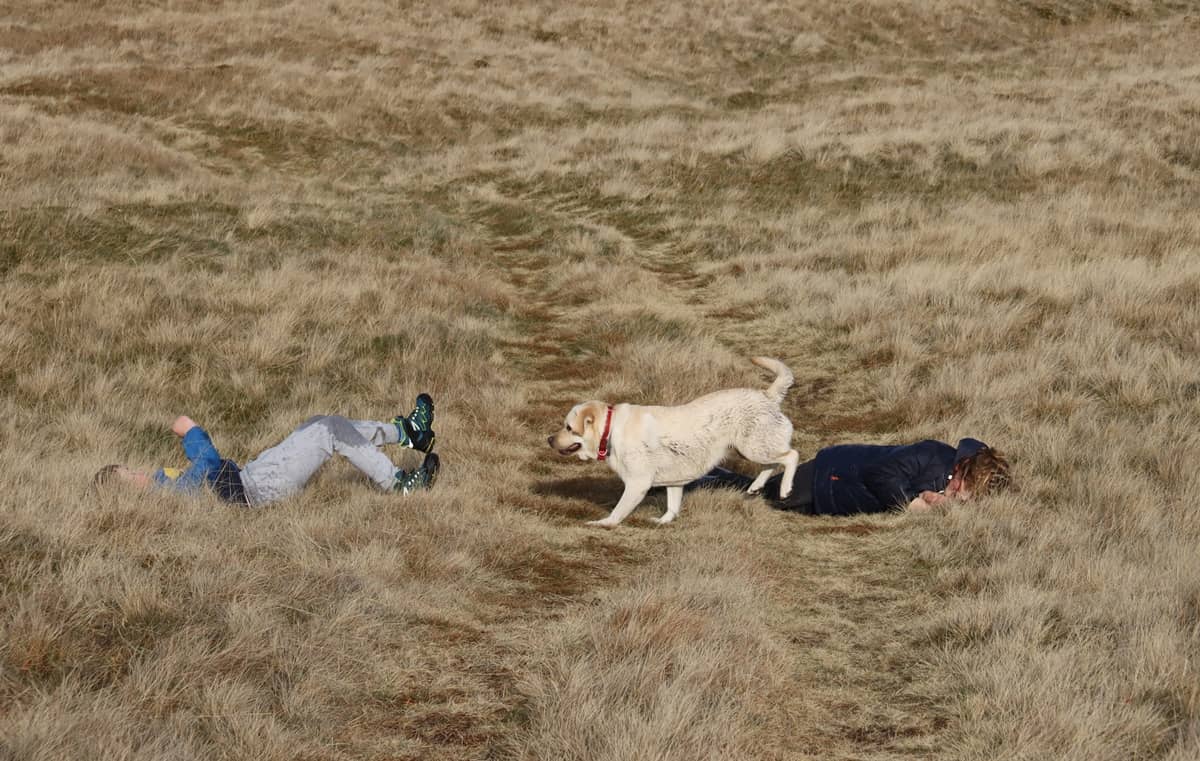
<point>949,218</point>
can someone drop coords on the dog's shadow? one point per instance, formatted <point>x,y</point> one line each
<point>599,491</point>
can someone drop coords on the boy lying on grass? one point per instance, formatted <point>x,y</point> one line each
<point>285,468</point>
<point>863,478</point>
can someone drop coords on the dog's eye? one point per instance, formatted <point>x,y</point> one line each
<point>569,429</point>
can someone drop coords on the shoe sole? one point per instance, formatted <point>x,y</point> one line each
<point>428,449</point>
<point>432,471</point>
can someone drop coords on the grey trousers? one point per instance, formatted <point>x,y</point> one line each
<point>285,468</point>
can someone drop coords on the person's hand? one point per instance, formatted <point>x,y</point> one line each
<point>182,425</point>
<point>919,505</point>
<point>933,498</point>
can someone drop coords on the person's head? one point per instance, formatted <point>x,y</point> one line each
<point>982,472</point>
<point>110,474</point>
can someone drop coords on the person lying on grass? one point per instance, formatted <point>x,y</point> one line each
<point>285,468</point>
<point>863,478</point>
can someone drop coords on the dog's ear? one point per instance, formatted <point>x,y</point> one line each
<point>590,413</point>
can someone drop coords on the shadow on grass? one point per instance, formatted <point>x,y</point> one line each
<point>597,491</point>
<point>855,529</point>
<point>593,498</point>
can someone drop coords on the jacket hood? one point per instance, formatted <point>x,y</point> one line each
<point>968,447</point>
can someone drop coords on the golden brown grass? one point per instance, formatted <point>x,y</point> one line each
<point>949,218</point>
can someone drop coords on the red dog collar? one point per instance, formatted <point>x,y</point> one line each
<point>603,452</point>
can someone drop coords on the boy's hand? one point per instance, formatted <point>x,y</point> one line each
<point>182,425</point>
<point>933,498</point>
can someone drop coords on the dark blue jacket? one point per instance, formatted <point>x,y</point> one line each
<point>862,478</point>
<point>208,469</point>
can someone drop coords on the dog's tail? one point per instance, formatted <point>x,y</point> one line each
<point>783,377</point>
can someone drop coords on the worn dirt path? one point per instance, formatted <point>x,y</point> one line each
<point>842,593</point>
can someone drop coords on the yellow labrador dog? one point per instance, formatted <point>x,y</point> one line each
<point>671,446</point>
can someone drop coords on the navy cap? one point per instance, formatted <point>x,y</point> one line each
<point>967,448</point>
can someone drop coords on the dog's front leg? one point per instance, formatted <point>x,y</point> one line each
<point>635,492</point>
<point>674,500</point>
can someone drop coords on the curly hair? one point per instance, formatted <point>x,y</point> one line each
<point>985,471</point>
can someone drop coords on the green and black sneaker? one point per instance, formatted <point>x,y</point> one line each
<point>423,477</point>
<point>416,430</point>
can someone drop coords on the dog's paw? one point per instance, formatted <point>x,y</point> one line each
<point>664,519</point>
<point>605,523</point>
<point>783,493</point>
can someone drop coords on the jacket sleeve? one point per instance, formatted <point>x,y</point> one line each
<point>204,458</point>
<point>897,479</point>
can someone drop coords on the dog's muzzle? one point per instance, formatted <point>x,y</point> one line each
<point>565,452</point>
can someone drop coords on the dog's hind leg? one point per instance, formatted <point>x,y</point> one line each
<point>633,496</point>
<point>674,500</point>
<point>790,461</point>
<point>760,481</point>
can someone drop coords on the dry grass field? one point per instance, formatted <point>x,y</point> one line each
<point>950,218</point>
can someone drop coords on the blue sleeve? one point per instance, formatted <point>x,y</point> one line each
<point>204,458</point>
<point>911,470</point>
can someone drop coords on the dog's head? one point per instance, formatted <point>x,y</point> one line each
<point>581,431</point>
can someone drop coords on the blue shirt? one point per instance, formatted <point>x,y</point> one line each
<point>207,470</point>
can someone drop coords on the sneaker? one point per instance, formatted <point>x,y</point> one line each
<point>421,418</point>
<point>416,430</point>
<point>423,477</point>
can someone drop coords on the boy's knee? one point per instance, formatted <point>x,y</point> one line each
<point>334,426</point>
<point>338,426</point>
